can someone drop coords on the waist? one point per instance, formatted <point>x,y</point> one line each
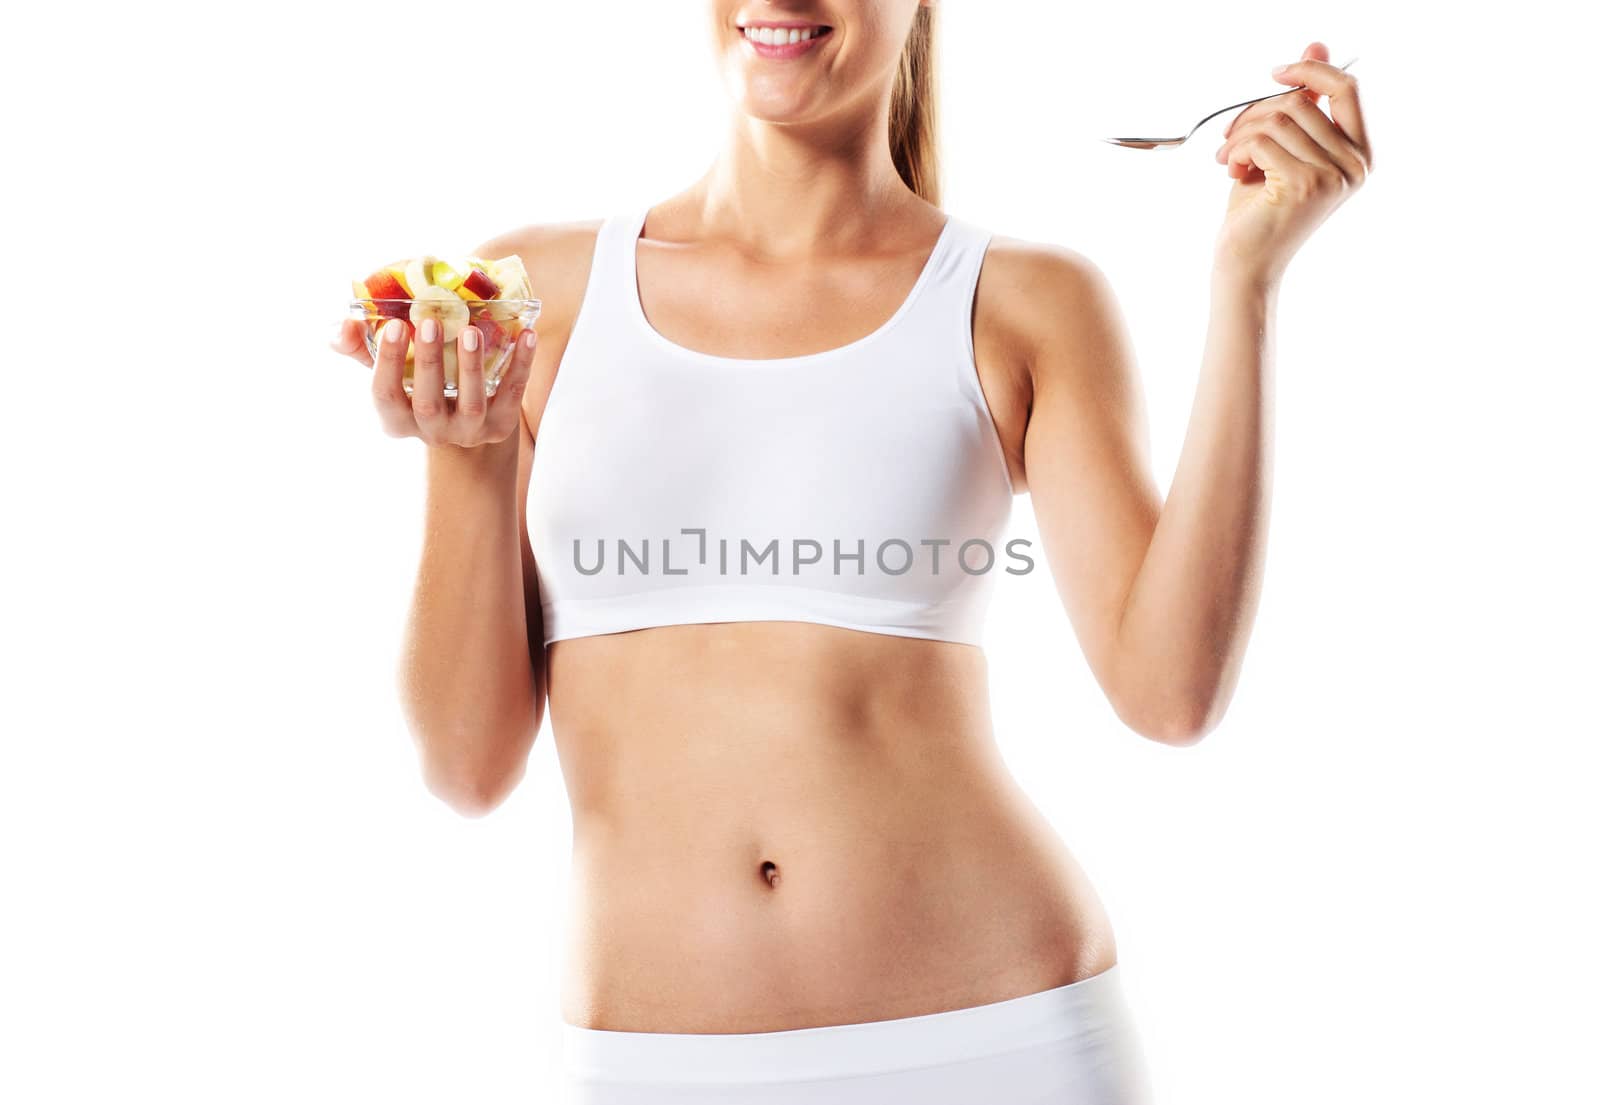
<point>743,721</point>
<point>848,917</point>
<point>782,826</point>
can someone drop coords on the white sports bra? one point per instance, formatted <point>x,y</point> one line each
<point>862,487</point>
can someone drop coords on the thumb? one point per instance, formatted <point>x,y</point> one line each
<point>347,338</point>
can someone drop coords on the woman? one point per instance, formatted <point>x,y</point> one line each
<point>802,872</point>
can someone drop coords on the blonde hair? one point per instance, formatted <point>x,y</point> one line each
<point>913,136</point>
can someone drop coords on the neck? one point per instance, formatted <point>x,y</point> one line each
<point>789,190</point>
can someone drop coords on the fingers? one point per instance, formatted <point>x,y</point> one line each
<point>1262,108</point>
<point>1280,102</point>
<point>1262,150</point>
<point>388,376</point>
<point>350,339</point>
<point>1332,144</point>
<point>1344,99</point>
<point>1284,130</point>
<point>505,408</point>
<point>1317,51</point>
<point>472,417</point>
<point>471,402</point>
<point>428,404</point>
<point>1292,128</point>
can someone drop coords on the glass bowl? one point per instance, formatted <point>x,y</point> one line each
<point>499,321</point>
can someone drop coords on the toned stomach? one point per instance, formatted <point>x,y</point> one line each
<point>782,825</point>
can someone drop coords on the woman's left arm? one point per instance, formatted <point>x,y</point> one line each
<point>1164,594</point>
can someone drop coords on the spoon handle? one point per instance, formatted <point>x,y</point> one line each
<point>1257,100</point>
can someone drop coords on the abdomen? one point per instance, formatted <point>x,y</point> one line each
<point>782,825</point>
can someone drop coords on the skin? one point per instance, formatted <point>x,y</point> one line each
<point>778,824</point>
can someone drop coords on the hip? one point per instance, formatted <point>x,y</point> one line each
<point>1070,1043</point>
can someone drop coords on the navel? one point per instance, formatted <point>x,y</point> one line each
<point>769,873</point>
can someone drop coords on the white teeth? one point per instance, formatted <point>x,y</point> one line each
<point>779,36</point>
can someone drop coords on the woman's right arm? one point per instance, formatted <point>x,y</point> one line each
<point>470,686</point>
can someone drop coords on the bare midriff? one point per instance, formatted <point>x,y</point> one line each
<point>784,825</point>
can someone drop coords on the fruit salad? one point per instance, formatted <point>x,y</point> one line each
<point>491,295</point>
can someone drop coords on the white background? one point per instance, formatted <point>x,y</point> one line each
<point>222,879</point>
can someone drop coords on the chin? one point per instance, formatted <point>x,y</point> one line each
<point>779,113</point>
<point>774,100</point>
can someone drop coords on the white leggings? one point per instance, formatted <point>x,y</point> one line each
<point>1073,1045</point>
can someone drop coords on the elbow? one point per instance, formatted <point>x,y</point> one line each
<point>471,790</point>
<point>1180,729</point>
<point>1180,723</point>
<point>471,764</point>
<point>469,770</point>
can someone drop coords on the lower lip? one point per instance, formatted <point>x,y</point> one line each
<point>788,49</point>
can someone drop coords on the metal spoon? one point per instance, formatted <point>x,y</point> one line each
<point>1173,143</point>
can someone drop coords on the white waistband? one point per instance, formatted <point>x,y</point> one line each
<point>1082,1008</point>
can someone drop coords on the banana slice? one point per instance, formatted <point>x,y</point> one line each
<point>509,273</point>
<point>512,277</point>
<point>442,304</point>
<point>419,275</point>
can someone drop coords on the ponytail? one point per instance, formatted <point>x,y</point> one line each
<point>913,139</point>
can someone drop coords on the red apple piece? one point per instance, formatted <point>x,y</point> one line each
<point>382,285</point>
<point>480,285</point>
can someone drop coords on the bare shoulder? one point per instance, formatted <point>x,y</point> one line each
<point>1042,299</point>
<point>1050,344</point>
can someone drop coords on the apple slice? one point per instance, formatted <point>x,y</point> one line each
<point>494,335</point>
<point>382,285</point>
<point>497,339</point>
<point>442,304</point>
<point>446,275</point>
<point>479,284</point>
<point>398,271</point>
<point>374,305</point>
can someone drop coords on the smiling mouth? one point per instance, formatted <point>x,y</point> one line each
<point>768,35</point>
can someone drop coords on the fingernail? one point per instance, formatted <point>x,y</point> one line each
<point>337,338</point>
<point>528,339</point>
<point>394,330</point>
<point>469,338</point>
<point>1280,70</point>
<point>430,330</point>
